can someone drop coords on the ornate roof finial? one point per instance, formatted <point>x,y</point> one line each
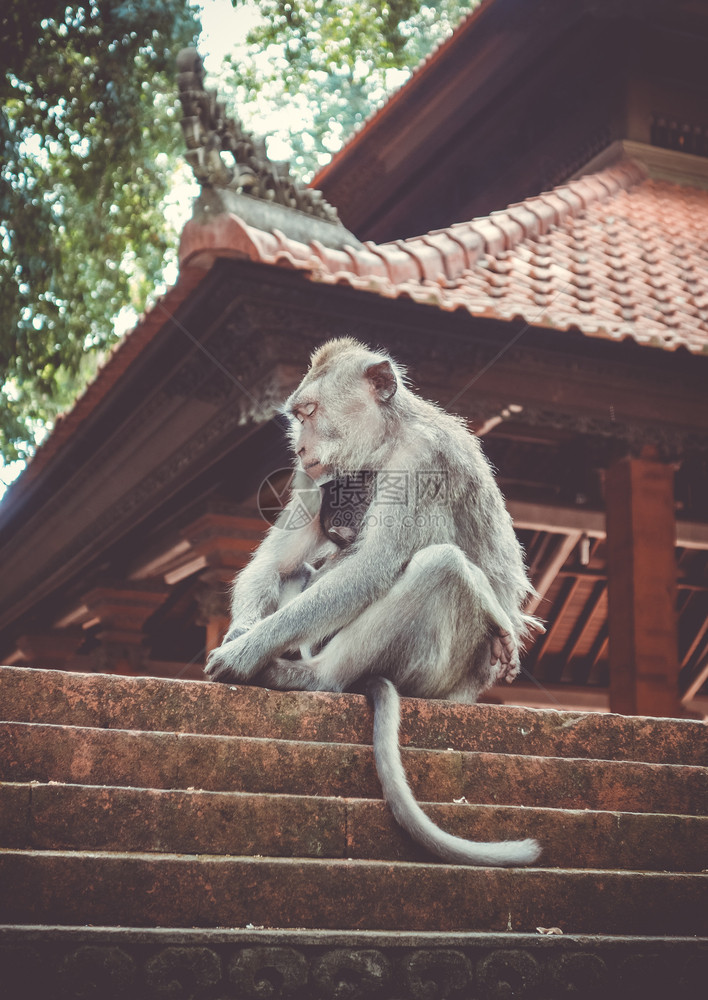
<point>209,133</point>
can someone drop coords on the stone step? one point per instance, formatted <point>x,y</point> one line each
<point>150,703</point>
<point>130,889</point>
<point>84,817</point>
<point>55,962</point>
<point>75,755</point>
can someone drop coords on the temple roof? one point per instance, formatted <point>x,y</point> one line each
<point>613,254</point>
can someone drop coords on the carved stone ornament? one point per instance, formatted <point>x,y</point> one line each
<point>146,964</point>
<point>260,191</point>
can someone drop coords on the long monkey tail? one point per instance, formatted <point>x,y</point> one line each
<point>387,717</point>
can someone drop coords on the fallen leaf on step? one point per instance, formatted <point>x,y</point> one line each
<point>549,930</point>
<point>460,801</point>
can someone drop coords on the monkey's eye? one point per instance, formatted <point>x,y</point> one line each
<point>305,411</point>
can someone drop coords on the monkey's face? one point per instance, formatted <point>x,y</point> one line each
<point>310,436</point>
<point>337,421</point>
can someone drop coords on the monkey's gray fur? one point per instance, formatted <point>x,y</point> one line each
<point>425,597</point>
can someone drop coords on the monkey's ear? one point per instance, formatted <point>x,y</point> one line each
<point>383,380</point>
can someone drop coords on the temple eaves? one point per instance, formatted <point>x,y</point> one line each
<point>260,191</point>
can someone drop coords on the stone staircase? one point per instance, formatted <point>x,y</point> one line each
<point>177,838</point>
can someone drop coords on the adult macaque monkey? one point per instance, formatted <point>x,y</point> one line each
<point>410,574</point>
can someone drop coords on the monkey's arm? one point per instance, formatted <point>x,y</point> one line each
<point>363,575</point>
<point>256,590</point>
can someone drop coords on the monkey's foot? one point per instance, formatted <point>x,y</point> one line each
<point>222,675</point>
<point>218,669</point>
<point>218,665</point>
<point>239,659</point>
<point>285,675</point>
<point>504,652</point>
<point>223,665</point>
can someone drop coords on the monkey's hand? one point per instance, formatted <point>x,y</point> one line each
<point>238,658</point>
<point>504,652</point>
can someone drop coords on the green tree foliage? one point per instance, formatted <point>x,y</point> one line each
<point>330,62</point>
<point>89,142</point>
<point>88,135</point>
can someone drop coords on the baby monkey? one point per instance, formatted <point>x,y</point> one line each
<point>409,575</point>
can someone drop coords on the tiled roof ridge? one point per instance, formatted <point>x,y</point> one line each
<point>526,262</point>
<point>439,257</point>
<point>464,244</point>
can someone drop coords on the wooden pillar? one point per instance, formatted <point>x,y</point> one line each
<point>213,603</point>
<point>641,563</point>
<point>121,613</point>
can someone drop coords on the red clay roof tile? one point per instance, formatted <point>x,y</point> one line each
<point>453,258</point>
<point>470,241</point>
<point>614,254</point>
<point>495,239</point>
<point>429,258</point>
<point>513,230</point>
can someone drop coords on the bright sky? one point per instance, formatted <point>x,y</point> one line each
<point>224,30</point>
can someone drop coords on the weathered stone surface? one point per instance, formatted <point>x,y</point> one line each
<point>88,756</point>
<point>24,969</point>
<point>198,707</point>
<point>585,784</point>
<point>356,973</point>
<point>15,826</point>
<point>75,817</point>
<point>268,971</point>
<point>511,971</point>
<point>174,821</point>
<point>570,838</point>
<point>129,819</point>
<point>431,973</point>
<point>220,763</point>
<point>167,890</point>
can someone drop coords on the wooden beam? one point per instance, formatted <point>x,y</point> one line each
<point>557,622</point>
<point>537,552</point>
<point>563,520</point>
<point>697,640</point>
<point>691,535</point>
<point>211,540</point>
<point>598,650</point>
<point>551,567</point>
<point>696,684</point>
<point>582,623</point>
<point>641,538</point>
<point>557,520</point>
